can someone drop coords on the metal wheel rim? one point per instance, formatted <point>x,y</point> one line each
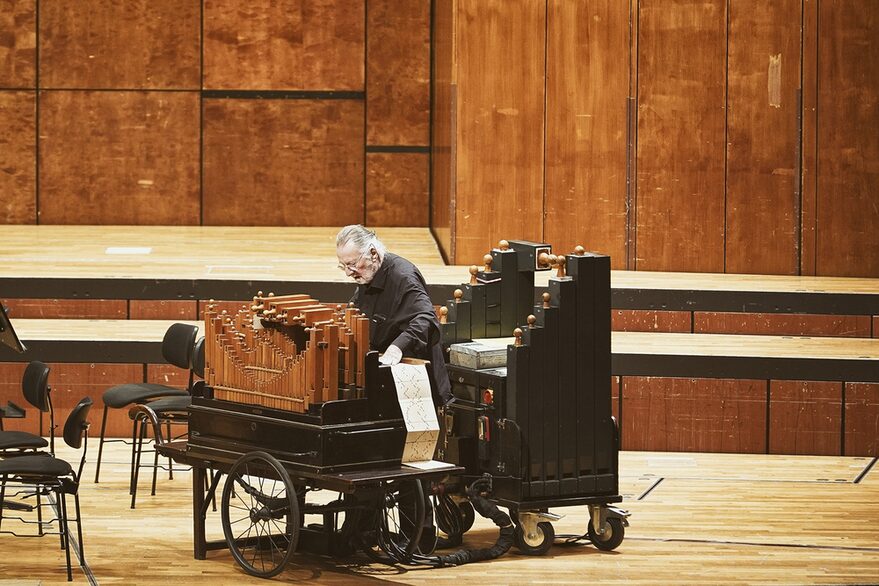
<point>261,512</point>
<point>535,539</point>
<point>387,532</point>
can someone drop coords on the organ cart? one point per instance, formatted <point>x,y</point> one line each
<point>294,402</point>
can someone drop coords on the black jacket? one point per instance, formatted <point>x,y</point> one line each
<point>400,313</point>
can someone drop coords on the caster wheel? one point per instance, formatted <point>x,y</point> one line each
<point>612,536</point>
<point>537,543</point>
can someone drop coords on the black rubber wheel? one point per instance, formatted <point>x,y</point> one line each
<point>454,518</point>
<point>468,515</point>
<point>260,514</point>
<point>612,536</point>
<point>393,525</point>
<point>538,543</point>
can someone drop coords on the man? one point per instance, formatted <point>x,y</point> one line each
<point>393,294</point>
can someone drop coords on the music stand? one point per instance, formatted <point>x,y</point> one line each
<point>7,333</point>
<point>9,338</point>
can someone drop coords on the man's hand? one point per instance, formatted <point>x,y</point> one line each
<point>391,356</point>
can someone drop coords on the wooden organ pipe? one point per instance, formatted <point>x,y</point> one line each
<point>251,356</point>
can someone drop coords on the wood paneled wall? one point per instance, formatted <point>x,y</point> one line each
<point>747,416</point>
<point>693,135</point>
<point>222,112</point>
<point>683,135</point>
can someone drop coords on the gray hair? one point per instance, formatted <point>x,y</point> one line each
<point>361,237</point>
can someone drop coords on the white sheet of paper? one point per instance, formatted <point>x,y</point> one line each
<point>429,465</point>
<point>419,413</point>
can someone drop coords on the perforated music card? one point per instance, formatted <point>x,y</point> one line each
<point>419,413</point>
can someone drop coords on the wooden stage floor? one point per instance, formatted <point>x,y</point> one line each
<point>696,519</point>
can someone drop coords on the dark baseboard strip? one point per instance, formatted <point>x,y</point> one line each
<point>375,148</point>
<point>281,95</point>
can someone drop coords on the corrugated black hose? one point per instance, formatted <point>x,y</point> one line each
<point>487,509</point>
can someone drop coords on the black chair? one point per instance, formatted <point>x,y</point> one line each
<point>51,475</point>
<point>165,412</point>
<point>36,390</point>
<point>177,350</point>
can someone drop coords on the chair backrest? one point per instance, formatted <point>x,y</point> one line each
<point>178,343</point>
<point>35,385</point>
<point>76,426</point>
<point>35,388</point>
<point>198,358</point>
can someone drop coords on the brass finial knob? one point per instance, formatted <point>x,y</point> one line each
<point>579,250</point>
<point>473,270</point>
<point>518,335</point>
<point>531,321</point>
<point>546,298</point>
<point>503,245</point>
<point>271,294</point>
<point>259,293</point>
<point>562,261</point>
<point>543,260</point>
<point>458,294</point>
<point>444,314</point>
<point>486,260</point>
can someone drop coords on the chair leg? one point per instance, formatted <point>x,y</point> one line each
<point>39,511</point>
<point>101,443</point>
<point>79,528</point>
<point>59,492</point>
<point>2,497</point>
<point>135,451</point>
<point>140,425</point>
<point>62,514</point>
<point>170,461</point>
<point>155,469</point>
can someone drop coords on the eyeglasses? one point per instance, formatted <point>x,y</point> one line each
<point>350,266</point>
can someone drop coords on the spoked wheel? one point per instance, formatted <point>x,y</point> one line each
<point>260,514</point>
<point>612,536</point>
<point>391,531</point>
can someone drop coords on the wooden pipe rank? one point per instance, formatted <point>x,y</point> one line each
<point>286,352</point>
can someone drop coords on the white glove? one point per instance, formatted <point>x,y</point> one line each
<point>391,356</point>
